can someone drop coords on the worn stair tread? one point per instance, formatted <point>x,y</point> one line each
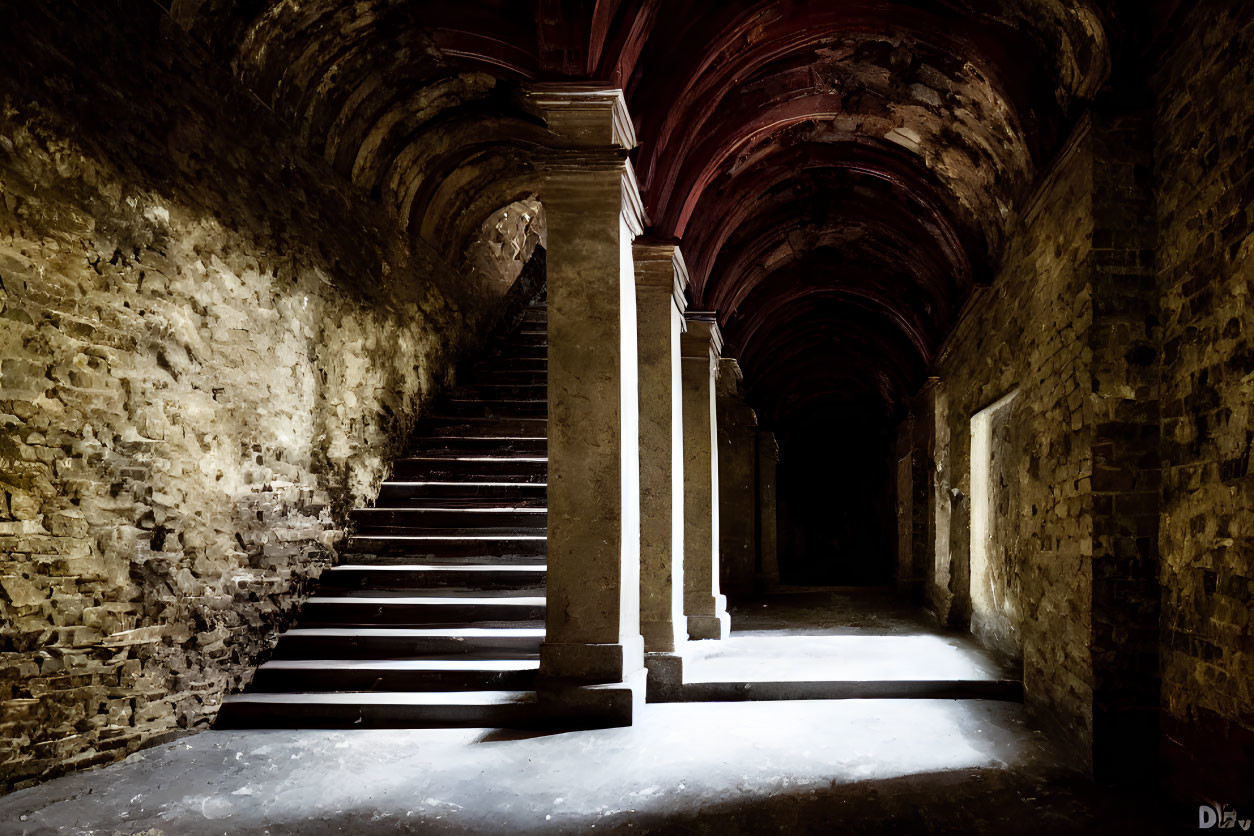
<point>452,538</point>
<point>457,456</point>
<point>479,509</point>
<point>468,485</point>
<point>415,632</point>
<point>429,600</point>
<point>468,568</point>
<point>474,485</point>
<point>528,401</point>
<point>388,697</point>
<point>485,419</point>
<point>440,564</point>
<point>459,565</point>
<point>450,520</point>
<point>450,592</point>
<point>466,663</point>
<point>505,439</point>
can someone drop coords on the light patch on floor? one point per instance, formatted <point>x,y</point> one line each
<point>676,759</point>
<point>797,658</point>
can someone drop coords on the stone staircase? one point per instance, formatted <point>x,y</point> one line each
<point>435,614</point>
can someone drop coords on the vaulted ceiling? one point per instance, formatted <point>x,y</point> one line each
<point>840,174</point>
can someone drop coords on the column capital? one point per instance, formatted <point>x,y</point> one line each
<point>585,113</point>
<point>591,122</point>
<point>660,264</point>
<point>703,336</point>
<point>585,179</point>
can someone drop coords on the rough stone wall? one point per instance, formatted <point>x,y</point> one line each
<point>1029,331</point>
<point>1204,185</point>
<point>209,349</point>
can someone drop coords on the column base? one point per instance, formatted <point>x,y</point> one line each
<point>591,663</point>
<point>714,626</point>
<point>662,636</point>
<point>574,704</point>
<point>666,676</point>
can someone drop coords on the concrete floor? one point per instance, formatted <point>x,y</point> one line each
<point>838,635</point>
<point>851,766</point>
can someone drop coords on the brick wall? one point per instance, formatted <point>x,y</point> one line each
<point>1028,331</point>
<point>1204,185</point>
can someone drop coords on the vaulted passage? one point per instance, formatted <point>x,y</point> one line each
<point>548,366</point>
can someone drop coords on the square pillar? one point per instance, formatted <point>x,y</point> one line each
<point>737,481</point>
<point>768,514</point>
<point>700,349</point>
<point>661,278</point>
<point>591,662</point>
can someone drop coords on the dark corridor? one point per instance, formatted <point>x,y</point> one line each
<point>836,512</point>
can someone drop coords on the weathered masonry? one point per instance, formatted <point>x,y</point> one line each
<point>439,364</point>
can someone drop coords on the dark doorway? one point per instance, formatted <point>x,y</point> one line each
<point>836,517</point>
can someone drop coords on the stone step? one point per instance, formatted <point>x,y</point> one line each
<point>491,391</point>
<point>419,610</point>
<point>463,492</point>
<point>973,689</point>
<point>480,445</point>
<point>444,593</point>
<point>505,374</point>
<point>466,673</point>
<point>488,547</point>
<point>497,406</point>
<point>428,576</point>
<point>513,351</point>
<point>405,642</point>
<point>536,364</point>
<point>422,517</point>
<point>386,558</point>
<point>445,424</point>
<point>527,337</point>
<point>353,709</point>
<point>470,468</point>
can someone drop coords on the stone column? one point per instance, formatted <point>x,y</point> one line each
<point>737,482</point>
<point>768,521</point>
<point>591,662</point>
<point>700,349</point>
<point>661,278</point>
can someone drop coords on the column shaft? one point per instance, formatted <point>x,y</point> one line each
<point>704,606</point>
<point>768,514</point>
<point>737,483</point>
<point>660,282</point>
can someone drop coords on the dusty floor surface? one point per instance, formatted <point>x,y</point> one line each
<point>819,766</point>
<point>846,634</point>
